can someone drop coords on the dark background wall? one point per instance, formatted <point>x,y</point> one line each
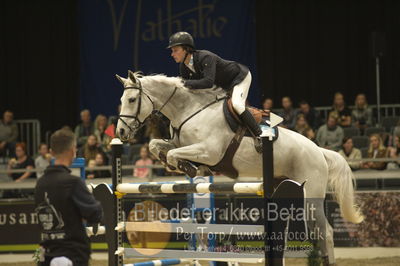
<point>305,49</point>
<point>309,49</point>
<point>39,61</point>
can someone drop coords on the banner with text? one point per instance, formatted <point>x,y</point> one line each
<point>117,35</point>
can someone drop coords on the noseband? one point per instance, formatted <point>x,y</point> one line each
<point>136,116</point>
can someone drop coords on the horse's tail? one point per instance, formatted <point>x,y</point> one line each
<point>341,181</point>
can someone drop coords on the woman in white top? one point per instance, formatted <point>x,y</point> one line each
<point>350,153</point>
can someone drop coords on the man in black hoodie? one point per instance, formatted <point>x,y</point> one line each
<point>63,205</point>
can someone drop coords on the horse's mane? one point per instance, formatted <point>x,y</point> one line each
<point>177,82</point>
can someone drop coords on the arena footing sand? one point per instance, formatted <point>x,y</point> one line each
<point>345,257</point>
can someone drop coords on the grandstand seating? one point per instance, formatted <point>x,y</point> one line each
<point>389,122</point>
<point>360,141</point>
<point>374,130</point>
<point>350,132</point>
<point>364,152</point>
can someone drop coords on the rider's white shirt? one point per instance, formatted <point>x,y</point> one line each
<point>190,65</point>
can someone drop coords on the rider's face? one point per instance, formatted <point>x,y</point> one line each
<point>178,53</point>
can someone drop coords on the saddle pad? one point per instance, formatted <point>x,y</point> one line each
<point>234,124</point>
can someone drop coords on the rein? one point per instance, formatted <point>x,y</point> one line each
<point>157,112</point>
<point>136,116</point>
<point>178,130</point>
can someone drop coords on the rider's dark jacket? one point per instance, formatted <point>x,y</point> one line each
<point>211,69</point>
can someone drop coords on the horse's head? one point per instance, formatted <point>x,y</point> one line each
<point>136,106</point>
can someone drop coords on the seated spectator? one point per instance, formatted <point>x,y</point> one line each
<point>303,128</point>
<point>21,161</point>
<point>310,114</point>
<point>340,109</point>
<point>43,160</point>
<point>101,124</point>
<point>396,130</point>
<point>361,115</point>
<point>144,160</point>
<point>330,135</point>
<point>394,153</point>
<point>288,113</point>
<point>99,161</point>
<point>8,134</point>
<point>349,152</point>
<point>268,104</point>
<point>376,150</point>
<point>84,129</point>
<point>90,149</point>
<point>113,119</point>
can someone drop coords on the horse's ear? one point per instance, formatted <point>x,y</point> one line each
<point>122,80</point>
<point>131,76</point>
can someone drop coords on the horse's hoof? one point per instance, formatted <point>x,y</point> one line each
<point>187,167</point>
<point>163,157</point>
<point>325,262</point>
<point>204,171</point>
<point>170,167</point>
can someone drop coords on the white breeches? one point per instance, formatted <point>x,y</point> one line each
<point>239,94</point>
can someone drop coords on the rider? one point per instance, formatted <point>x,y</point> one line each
<point>201,69</point>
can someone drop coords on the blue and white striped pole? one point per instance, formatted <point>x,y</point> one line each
<point>160,262</point>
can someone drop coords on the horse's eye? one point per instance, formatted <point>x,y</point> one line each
<point>131,100</point>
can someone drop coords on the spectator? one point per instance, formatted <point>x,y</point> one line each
<point>113,119</point>
<point>288,113</point>
<point>303,128</point>
<point>98,161</point>
<point>349,152</point>
<point>268,104</point>
<point>103,139</point>
<point>85,128</point>
<point>394,153</point>
<point>340,109</point>
<point>361,115</point>
<point>8,134</point>
<point>310,114</point>
<point>43,160</point>
<point>376,150</point>
<point>22,161</point>
<point>90,149</point>
<point>144,160</point>
<point>64,206</point>
<point>396,130</point>
<point>330,135</point>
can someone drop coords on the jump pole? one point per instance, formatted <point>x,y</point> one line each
<point>116,175</point>
<point>268,185</point>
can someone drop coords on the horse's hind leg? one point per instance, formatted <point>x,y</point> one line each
<point>329,244</point>
<point>320,231</point>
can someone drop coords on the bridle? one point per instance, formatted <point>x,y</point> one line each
<point>135,117</point>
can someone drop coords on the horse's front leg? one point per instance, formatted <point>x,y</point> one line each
<point>159,148</point>
<point>181,158</point>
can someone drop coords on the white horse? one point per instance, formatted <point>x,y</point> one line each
<point>205,137</point>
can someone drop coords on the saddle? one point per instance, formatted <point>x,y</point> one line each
<point>233,118</point>
<point>225,166</point>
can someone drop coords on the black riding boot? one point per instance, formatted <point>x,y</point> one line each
<point>251,124</point>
